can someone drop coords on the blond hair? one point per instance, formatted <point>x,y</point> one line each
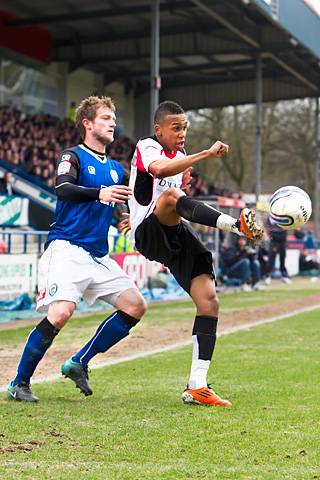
<point>88,109</point>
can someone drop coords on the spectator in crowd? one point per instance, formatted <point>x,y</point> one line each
<point>299,233</point>
<point>306,262</point>
<point>72,112</point>
<point>278,246</point>
<point>3,247</point>
<point>122,243</point>
<point>122,150</point>
<point>6,184</point>
<point>263,255</point>
<point>239,260</point>
<point>309,241</point>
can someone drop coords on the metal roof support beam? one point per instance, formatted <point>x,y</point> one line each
<point>155,81</point>
<point>259,99</point>
<point>230,26</point>
<point>293,72</point>
<point>101,13</point>
<point>254,43</point>
<point>197,69</point>
<point>111,56</point>
<point>142,33</point>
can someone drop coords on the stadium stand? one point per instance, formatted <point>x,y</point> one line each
<point>32,142</point>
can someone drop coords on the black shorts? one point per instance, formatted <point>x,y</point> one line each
<point>178,248</point>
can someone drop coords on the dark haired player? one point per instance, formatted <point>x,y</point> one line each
<point>160,170</point>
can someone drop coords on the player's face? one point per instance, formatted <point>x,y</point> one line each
<point>103,125</point>
<point>171,131</point>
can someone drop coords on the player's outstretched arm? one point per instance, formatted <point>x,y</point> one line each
<point>161,169</point>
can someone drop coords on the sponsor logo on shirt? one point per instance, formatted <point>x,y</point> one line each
<point>64,167</point>
<point>91,170</point>
<point>114,176</point>
<point>168,184</point>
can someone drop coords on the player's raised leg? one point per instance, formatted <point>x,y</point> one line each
<point>174,204</point>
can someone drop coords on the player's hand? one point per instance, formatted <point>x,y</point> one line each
<point>115,194</point>
<point>125,224</point>
<point>186,180</point>
<point>218,149</point>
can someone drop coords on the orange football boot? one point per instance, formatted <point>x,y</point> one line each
<point>249,226</point>
<point>204,396</point>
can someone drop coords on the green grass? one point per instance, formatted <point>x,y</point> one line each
<point>134,426</point>
<point>177,313</point>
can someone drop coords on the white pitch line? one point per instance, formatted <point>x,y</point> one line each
<point>174,346</point>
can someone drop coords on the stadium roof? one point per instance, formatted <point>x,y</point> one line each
<point>208,48</point>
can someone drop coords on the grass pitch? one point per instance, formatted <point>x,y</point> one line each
<point>135,427</point>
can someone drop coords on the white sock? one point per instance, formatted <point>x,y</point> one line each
<point>199,368</point>
<point>228,224</point>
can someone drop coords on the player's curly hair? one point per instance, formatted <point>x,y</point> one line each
<point>88,109</point>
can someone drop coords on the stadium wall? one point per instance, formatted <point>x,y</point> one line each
<point>54,88</point>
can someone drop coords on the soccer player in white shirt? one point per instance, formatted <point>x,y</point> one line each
<point>160,171</point>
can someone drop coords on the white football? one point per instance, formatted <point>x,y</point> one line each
<point>289,207</point>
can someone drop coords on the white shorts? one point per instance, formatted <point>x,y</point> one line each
<point>68,272</point>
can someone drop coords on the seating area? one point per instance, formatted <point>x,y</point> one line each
<point>33,142</point>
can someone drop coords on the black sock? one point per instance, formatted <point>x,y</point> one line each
<point>205,328</point>
<point>197,212</point>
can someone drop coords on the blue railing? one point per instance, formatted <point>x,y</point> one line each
<point>117,243</point>
<point>9,242</point>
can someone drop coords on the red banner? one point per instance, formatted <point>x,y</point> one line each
<point>33,42</point>
<point>137,267</point>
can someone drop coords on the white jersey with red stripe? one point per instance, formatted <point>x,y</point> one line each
<point>145,186</point>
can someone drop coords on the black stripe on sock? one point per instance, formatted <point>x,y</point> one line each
<point>47,330</point>
<point>127,319</point>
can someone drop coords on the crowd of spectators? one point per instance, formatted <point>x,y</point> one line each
<point>202,188</point>
<point>243,264</point>
<point>122,150</point>
<point>33,141</point>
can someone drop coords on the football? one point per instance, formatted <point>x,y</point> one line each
<point>289,207</point>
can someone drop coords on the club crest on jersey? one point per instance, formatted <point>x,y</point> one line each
<point>53,289</point>
<point>91,170</point>
<point>114,176</point>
